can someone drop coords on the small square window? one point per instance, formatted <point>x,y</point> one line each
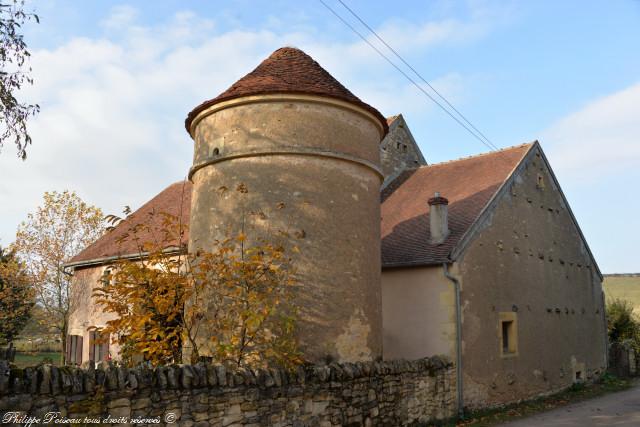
<point>105,280</point>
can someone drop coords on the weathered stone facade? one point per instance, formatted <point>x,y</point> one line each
<point>546,282</point>
<point>360,394</point>
<point>399,151</point>
<point>531,304</point>
<point>311,166</point>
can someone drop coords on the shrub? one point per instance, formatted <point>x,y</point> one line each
<point>622,323</point>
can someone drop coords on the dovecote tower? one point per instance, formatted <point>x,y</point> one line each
<point>301,143</point>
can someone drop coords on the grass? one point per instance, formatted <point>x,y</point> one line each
<point>576,393</point>
<point>24,360</point>
<point>624,288</point>
<point>33,345</point>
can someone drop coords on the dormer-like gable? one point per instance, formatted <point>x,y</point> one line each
<point>399,150</point>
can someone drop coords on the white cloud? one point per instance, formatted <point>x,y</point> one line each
<point>121,17</point>
<point>111,125</point>
<point>602,137</point>
<point>596,151</point>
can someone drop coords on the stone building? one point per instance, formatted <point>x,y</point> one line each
<point>479,259</point>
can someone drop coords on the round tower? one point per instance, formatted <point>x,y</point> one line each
<point>301,143</point>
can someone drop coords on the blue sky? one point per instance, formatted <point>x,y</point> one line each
<point>116,79</point>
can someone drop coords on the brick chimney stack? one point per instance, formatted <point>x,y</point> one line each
<point>439,224</point>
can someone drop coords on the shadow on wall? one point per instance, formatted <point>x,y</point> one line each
<point>335,231</point>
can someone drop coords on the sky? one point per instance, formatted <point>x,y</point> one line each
<point>115,81</point>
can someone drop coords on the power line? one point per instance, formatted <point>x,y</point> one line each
<point>420,88</point>
<point>415,72</point>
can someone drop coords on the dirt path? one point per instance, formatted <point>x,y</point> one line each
<point>617,409</point>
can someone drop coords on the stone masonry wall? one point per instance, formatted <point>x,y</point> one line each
<point>354,394</point>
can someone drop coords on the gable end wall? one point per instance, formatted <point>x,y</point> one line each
<point>529,258</point>
<point>399,151</point>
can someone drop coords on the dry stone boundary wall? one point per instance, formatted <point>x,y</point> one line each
<point>390,393</point>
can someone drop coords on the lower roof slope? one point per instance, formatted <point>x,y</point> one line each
<point>119,242</point>
<point>469,184</point>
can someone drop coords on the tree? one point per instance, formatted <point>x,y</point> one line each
<point>148,297</point>
<point>59,229</point>
<point>622,323</point>
<point>245,290</point>
<point>14,73</point>
<point>16,296</point>
<point>248,291</point>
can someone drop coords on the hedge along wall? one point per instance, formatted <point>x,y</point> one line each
<point>371,393</point>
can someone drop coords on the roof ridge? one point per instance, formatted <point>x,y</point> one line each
<point>151,200</point>
<point>474,156</point>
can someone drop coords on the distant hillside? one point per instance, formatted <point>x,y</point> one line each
<point>623,286</point>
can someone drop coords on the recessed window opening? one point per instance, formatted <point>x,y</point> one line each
<point>106,277</point>
<point>506,332</point>
<point>578,375</point>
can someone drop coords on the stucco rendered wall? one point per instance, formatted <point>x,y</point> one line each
<point>529,264</point>
<point>418,313</point>
<point>84,310</point>
<point>311,168</point>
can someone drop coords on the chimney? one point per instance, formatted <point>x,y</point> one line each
<point>439,225</point>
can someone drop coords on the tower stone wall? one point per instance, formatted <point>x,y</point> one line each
<point>311,165</point>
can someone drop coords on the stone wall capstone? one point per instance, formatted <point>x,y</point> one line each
<point>394,393</point>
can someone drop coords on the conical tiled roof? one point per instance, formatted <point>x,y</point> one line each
<point>288,70</point>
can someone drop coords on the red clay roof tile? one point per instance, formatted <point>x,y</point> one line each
<point>288,70</point>
<point>174,200</point>
<point>467,183</point>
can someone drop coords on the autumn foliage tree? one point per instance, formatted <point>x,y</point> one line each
<point>17,296</point>
<point>245,289</point>
<point>59,229</point>
<point>148,296</point>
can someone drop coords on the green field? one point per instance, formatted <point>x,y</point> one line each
<point>623,287</point>
<point>24,360</point>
